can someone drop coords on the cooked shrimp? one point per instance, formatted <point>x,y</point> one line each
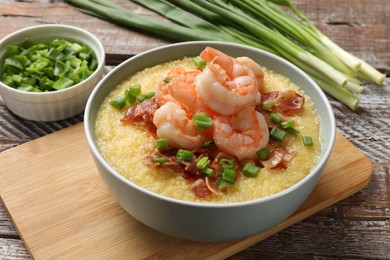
<point>173,123</point>
<point>180,88</point>
<point>226,85</point>
<point>242,134</point>
<point>257,70</point>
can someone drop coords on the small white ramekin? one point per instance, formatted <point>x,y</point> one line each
<point>54,105</point>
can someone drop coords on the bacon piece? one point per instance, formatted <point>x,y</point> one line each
<point>275,158</point>
<point>141,113</point>
<point>212,186</point>
<point>191,172</point>
<point>288,102</point>
<point>279,157</point>
<point>289,154</point>
<point>200,188</point>
<point>268,96</point>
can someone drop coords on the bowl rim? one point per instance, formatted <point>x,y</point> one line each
<point>98,43</point>
<point>95,151</point>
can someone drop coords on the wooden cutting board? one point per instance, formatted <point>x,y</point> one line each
<point>62,209</point>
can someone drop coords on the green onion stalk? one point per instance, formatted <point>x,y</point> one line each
<point>117,14</point>
<point>258,23</point>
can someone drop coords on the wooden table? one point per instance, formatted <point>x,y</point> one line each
<point>357,227</point>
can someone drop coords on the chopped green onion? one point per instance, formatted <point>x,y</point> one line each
<point>269,105</point>
<point>250,170</point>
<point>307,140</point>
<point>46,66</point>
<point>275,117</point>
<point>229,175</point>
<point>226,163</point>
<point>62,83</point>
<point>184,155</point>
<point>263,154</point>
<point>208,171</point>
<point>132,93</point>
<point>130,97</point>
<point>13,63</point>
<point>208,144</point>
<point>161,143</point>
<point>160,160</point>
<point>118,102</point>
<point>288,123</point>
<point>167,80</point>
<point>202,121</point>
<point>277,134</point>
<point>199,62</point>
<point>221,183</point>
<point>292,131</point>
<point>203,162</point>
<point>146,96</point>
<point>135,89</point>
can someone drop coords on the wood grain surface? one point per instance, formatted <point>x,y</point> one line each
<point>355,228</point>
<point>72,215</point>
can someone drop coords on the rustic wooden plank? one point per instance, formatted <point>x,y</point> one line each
<point>12,249</point>
<point>115,39</point>
<point>341,21</point>
<point>360,26</point>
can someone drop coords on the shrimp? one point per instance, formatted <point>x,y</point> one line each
<point>259,74</point>
<point>257,70</point>
<point>180,88</point>
<point>226,85</point>
<point>242,134</point>
<point>173,123</point>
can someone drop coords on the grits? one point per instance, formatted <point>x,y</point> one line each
<point>124,146</point>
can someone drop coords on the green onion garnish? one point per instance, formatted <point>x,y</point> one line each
<point>135,89</point>
<point>268,105</point>
<point>118,102</point>
<point>62,83</point>
<point>250,170</point>
<point>221,183</point>
<point>161,143</point>
<point>184,155</point>
<point>275,117</point>
<point>277,134</point>
<point>146,96</point>
<point>199,62</point>
<point>50,66</point>
<point>288,123</point>
<point>292,131</point>
<point>208,171</point>
<point>167,80</point>
<point>208,144</point>
<point>130,97</point>
<point>229,175</point>
<point>203,162</point>
<point>160,160</point>
<point>263,154</point>
<point>307,140</point>
<point>226,163</point>
<point>202,121</point>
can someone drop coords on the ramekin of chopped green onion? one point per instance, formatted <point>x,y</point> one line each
<point>48,71</point>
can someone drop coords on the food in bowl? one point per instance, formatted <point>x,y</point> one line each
<point>47,66</point>
<point>66,101</point>
<point>212,128</point>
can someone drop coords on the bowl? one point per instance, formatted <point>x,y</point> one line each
<point>59,104</point>
<point>208,221</point>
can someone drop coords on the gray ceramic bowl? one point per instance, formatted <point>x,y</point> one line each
<point>197,221</point>
<point>53,105</point>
